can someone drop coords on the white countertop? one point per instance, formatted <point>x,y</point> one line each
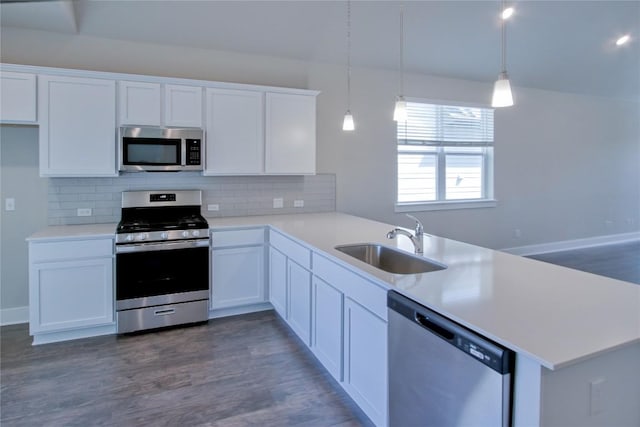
<point>85,231</point>
<point>554,315</point>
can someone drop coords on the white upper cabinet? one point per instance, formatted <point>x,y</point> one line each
<point>290,134</point>
<point>139,103</point>
<point>155,104</point>
<point>183,106</point>
<point>18,97</point>
<point>77,126</point>
<point>235,132</point>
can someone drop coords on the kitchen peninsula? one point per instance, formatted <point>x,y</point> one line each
<point>572,331</point>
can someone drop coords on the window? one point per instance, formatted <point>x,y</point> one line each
<point>445,157</point>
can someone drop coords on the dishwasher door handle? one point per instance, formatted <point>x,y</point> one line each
<point>426,323</point>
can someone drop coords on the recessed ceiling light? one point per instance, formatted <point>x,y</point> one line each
<point>622,40</point>
<point>506,14</point>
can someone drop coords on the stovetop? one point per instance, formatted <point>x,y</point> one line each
<point>157,223</point>
<point>160,216</point>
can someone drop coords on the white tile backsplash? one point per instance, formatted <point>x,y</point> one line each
<point>235,196</point>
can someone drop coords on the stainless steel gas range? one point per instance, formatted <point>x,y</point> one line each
<point>162,260</point>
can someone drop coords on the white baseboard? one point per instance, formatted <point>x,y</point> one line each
<point>14,315</point>
<point>567,245</point>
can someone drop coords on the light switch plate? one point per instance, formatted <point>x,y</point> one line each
<point>298,203</point>
<point>213,207</point>
<point>84,211</point>
<point>278,203</point>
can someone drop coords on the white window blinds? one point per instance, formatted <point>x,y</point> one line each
<point>446,126</point>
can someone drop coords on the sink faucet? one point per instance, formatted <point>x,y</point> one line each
<point>415,238</point>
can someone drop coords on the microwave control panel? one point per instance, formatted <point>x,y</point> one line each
<point>193,152</point>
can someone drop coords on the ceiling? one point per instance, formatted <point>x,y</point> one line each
<point>558,45</point>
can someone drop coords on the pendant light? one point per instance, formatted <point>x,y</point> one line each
<point>502,96</point>
<point>400,111</point>
<point>347,123</point>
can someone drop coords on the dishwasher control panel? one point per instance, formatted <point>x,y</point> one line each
<point>480,348</point>
<point>489,358</point>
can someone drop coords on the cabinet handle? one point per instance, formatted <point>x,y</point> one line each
<point>164,312</point>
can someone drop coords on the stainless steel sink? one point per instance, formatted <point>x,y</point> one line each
<point>389,259</point>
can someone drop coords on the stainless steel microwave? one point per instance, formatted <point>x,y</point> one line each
<point>160,149</point>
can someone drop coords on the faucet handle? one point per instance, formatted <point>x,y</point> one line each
<point>419,227</point>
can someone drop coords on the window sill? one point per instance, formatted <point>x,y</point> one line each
<point>449,205</point>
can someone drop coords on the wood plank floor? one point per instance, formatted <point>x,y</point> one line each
<point>248,370</point>
<point>619,261</point>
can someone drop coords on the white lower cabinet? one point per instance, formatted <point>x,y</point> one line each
<point>70,289</point>
<point>237,276</point>
<point>237,268</point>
<point>365,360</point>
<point>278,281</point>
<point>339,314</point>
<point>299,301</point>
<point>327,321</point>
<point>290,286</point>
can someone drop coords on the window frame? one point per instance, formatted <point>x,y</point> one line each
<point>487,201</point>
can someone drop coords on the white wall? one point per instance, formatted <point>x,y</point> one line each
<point>20,180</point>
<point>565,164</point>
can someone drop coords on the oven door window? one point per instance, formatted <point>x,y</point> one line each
<point>151,151</point>
<point>152,273</point>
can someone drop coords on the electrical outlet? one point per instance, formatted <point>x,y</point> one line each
<point>597,398</point>
<point>84,211</point>
<point>517,233</point>
<point>213,207</point>
<point>298,203</point>
<point>278,203</point>
<point>9,204</point>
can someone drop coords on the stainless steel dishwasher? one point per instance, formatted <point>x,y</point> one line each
<point>442,374</point>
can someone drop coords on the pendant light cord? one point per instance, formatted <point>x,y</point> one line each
<point>349,55</point>
<point>503,36</point>
<point>402,48</point>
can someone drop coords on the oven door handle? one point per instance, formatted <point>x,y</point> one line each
<point>162,246</point>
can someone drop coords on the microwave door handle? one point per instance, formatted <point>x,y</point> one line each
<point>183,152</point>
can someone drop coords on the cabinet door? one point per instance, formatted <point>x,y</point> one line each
<point>17,97</point>
<point>327,326</point>
<point>278,281</point>
<point>183,106</point>
<point>290,134</point>
<point>139,103</point>
<point>77,126</point>
<point>70,294</point>
<point>235,132</point>
<point>365,361</point>
<point>237,276</point>
<point>300,301</point>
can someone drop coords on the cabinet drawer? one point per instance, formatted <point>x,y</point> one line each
<point>253,236</point>
<point>71,249</point>
<point>366,293</point>
<point>291,249</point>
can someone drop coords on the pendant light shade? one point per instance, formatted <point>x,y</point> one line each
<point>347,123</point>
<point>400,111</point>
<point>502,96</point>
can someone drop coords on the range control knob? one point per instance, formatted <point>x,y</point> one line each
<point>195,233</point>
<point>129,237</point>
<point>164,235</point>
<point>142,236</point>
<point>185,233</point>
